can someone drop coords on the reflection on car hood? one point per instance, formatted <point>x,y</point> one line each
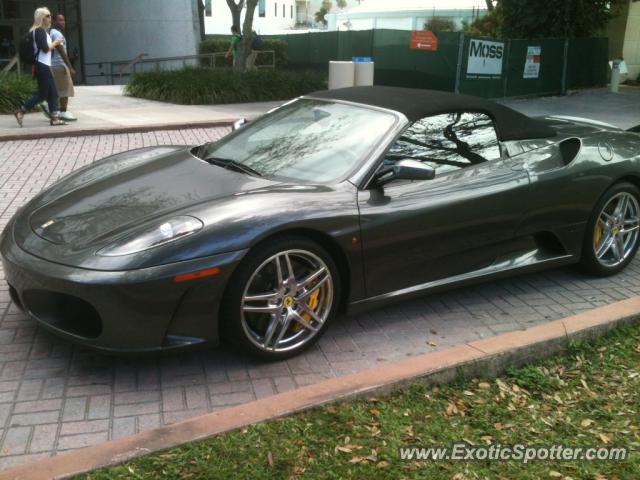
<point>115,195</point>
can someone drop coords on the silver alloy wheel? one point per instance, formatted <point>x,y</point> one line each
<point>286,301</point>
<point>616,231</point>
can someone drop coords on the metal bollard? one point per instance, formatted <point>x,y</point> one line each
<point>615,75</point>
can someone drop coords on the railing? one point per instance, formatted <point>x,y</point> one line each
<point>11,62</point>
<point>131,64</point>
<point>117,70</point>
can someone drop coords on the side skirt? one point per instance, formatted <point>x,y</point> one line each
<point>523,262</point>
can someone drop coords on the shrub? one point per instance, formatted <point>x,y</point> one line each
<point>14,91</point>
<point>217,45</point>
<point>205,86</point>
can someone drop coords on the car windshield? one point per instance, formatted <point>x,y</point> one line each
<point>309,140</point>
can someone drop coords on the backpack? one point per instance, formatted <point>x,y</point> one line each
<point>256,44</point>
<point>27,55</point>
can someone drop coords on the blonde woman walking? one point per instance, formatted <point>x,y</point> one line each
<point>42,47</point>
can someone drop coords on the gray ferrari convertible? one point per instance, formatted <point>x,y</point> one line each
<point>335,201</point>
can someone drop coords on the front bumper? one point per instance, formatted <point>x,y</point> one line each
<point>122,311</point>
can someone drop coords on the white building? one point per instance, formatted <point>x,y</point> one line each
<point>271,16</point>
<point>307,10</point>
<point>404,14</point>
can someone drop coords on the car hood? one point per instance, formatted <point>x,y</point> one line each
<point>101,202</point>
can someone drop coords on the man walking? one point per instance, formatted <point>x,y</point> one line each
<point>61,67</point>
<point>236,37</point>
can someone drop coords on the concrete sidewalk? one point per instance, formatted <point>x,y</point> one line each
<point>104,109</point>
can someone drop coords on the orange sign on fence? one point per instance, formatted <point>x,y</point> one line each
<point>424,40</point>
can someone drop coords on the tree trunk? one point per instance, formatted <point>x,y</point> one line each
<point>489,4</point>
<point>236,9</point>
<point>200,7</point>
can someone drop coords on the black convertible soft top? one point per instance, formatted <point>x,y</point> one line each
<point>416,104</point>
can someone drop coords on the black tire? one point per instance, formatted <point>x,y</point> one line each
<point>243,329</point>
<point>590,262</point>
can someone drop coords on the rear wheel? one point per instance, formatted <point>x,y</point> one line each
<point>281,298</point>
<point>611,239</point>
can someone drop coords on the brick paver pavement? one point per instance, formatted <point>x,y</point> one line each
<point>55,396</point>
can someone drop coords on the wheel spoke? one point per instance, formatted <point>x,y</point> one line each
<point>604,246</point>
<point>271,329</point>
<point>298,318</point>
<point>261,297</point>
<point>309,292</point>
<point>604,226</point>
<point>630,225</point>
<point>310,278</point>
<point>289,267</point>
<point>615,248</point>
<point>279,278</point>
<point>261,309</point>
<point>606,216</point>
<point>311,312</point>
<point>283,330</point>
<point>619,250</point>
<point>621,208</point>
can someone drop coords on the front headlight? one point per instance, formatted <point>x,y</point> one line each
<point>160,234</point>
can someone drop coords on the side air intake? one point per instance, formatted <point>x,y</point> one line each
<point>569,149</point>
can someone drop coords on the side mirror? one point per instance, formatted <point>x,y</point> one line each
<point>405,170</point>
<point>239,124</point>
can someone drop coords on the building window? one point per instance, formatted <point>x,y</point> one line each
<point>262,8</point>
<point>207,8</point>
<point>275,10</point>
<point>284,11</point>
<point>291,11</point>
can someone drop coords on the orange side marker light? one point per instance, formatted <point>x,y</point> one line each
<point>199,274</point>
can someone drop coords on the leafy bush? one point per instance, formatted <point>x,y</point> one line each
<point>14,91</point>
<point>205,86</point>
<point>440,24</point>
<point>216,45</point>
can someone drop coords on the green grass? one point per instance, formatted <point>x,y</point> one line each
<point>201,86</point>
<point>15,90</point>
<point>589,398</point>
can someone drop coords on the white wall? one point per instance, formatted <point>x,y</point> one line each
<point>396,20</point>
<point>220,20</point>
<point>122,29</point>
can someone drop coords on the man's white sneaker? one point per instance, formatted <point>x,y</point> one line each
<point>68,116</point>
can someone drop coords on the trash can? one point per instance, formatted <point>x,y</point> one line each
<point>364,71</point>
<point>341,74</point>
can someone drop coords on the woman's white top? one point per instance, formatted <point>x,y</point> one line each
<point>43,57</point>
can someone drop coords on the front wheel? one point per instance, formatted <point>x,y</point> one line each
<point>281,298</point>
<point>611,239</point>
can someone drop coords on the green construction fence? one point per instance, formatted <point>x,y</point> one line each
<point>561,63</point>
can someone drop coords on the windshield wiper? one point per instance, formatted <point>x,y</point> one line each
<point>232,164</point>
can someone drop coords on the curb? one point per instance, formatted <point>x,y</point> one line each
<point>116,130</point>
<point>486,357</point>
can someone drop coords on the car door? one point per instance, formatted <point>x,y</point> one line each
<point>414,232</point>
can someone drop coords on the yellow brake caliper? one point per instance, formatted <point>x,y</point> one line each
<point>597,235</point>
<point>312,302</point>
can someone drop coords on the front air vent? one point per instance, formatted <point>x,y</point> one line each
<point>64,312</point>
<point>569,149</point>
